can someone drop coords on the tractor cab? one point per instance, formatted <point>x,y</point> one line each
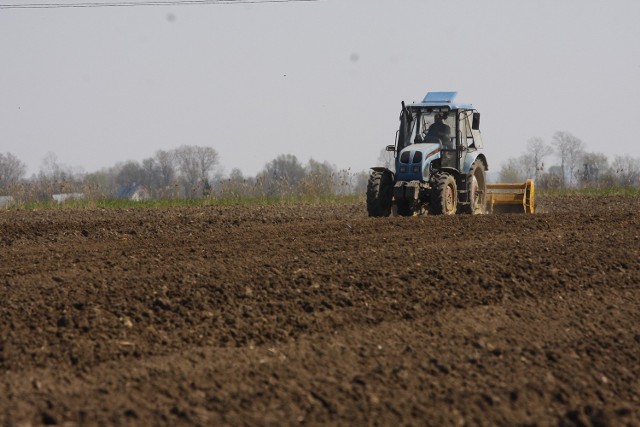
<point>434,126</point>
<point>440,130</point>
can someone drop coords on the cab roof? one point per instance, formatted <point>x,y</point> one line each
<point>442,99</point>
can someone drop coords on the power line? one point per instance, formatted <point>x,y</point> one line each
<point>138,3</point>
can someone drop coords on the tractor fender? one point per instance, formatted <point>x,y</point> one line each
<point>383,169</point>
<point>472,157</point>
<point>451,171</point>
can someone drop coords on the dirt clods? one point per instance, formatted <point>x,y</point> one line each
<point>320,315</point>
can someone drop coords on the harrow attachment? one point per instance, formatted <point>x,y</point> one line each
<point>511,198</point>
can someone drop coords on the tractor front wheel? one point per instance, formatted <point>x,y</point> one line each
<point>444,195</point>
<point>380,193</point>
<point>476,189</point>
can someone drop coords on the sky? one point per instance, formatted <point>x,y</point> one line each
<point>317,79</point>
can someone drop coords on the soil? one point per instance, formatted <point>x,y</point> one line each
<point>272,315</point>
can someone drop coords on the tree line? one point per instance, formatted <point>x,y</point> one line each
<point>187,172</point>
<point>577,167</point>
<point>191,171</point>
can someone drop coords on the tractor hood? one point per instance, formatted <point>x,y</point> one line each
<point>413,161</point>
<point>423,147</point>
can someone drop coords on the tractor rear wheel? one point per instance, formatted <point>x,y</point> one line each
<point>444,195</point>
<point>477,190</point>
<point>379,193</point>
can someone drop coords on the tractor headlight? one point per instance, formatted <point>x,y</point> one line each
<point>403,169</point>
<point>415,169</point>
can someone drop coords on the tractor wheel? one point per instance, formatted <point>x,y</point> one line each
<point>444,195</point>
<point>379,193</point>
<point>477,190</point>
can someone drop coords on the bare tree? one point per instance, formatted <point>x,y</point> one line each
<point>570,150</point>
<point>282,175</point>
<point>163,174</point>
<point>236,175</point>
<point>360,183</point>
<point>538,150</point>
<point>236,185</point>
<point>321,179</point>
<point>511,170</point>
<point>594,166</point>
<point>165,163</point>
<point>101,184</point>
<point>150,176</point>
<point>195,164</point>
<point>526,165</point>
<point>55,177</point>
<point>551,178</point>
<point>131,173</point>
<point>627,169</point>
<point>51,169</point>
<point>12,170</point>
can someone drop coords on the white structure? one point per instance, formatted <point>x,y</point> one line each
<point>6,201</point>
<point>63,197</point>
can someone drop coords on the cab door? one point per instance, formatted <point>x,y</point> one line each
<point>450,153</point>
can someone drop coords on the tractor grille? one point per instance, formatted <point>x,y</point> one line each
<point>406,157</point>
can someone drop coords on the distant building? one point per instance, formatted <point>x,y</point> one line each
<point>63,197</point>
<point>135,192</point>
<point>6,201</point>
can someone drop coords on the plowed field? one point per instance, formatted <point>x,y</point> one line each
<point>320,315</point>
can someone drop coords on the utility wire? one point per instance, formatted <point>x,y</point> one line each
<point>138,3</point>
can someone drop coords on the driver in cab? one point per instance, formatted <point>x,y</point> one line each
<point>439,131</point>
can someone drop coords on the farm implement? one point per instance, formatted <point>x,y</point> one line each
<point>511,198</point>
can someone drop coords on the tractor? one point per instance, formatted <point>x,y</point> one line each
<point>439,166</point>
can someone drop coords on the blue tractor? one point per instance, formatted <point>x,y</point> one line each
<point>439,168</point>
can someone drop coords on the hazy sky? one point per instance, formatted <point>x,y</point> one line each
<point>322,79</point>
